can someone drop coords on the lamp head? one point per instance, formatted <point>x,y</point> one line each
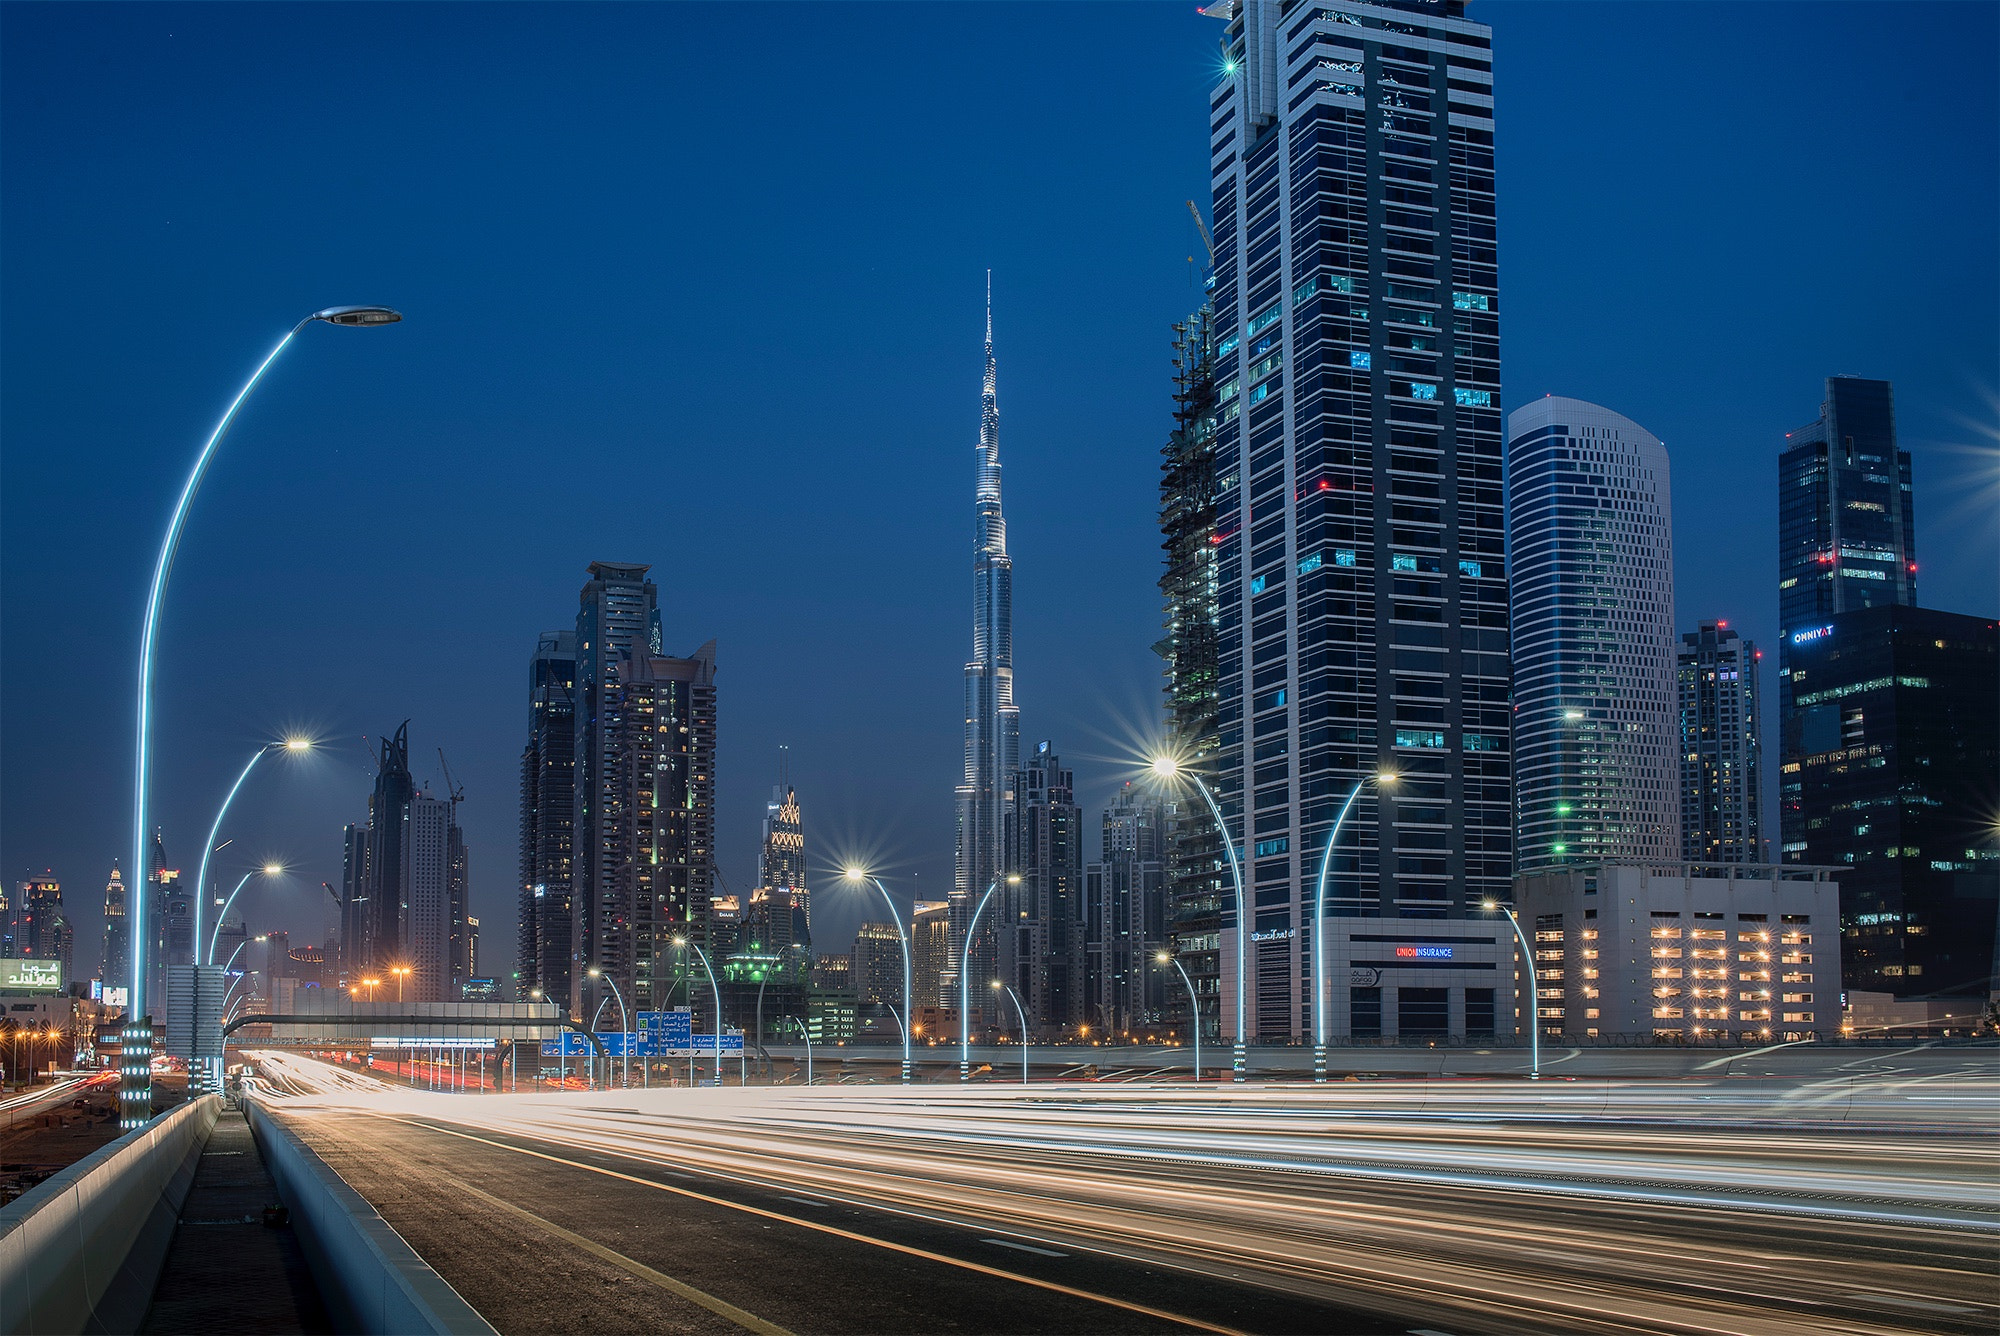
<point>1388,777</point>
<point>995,984</point>
<point>273,869</point>
<point>680,941</point>
<point>297,745</point>
<point>1013,879</point>
<point>594,972</point>
<point>1490,905</point>
<point>358,316</point>
<point>1162,957</point>
<point>853,873</point>
<point>1166,767</point>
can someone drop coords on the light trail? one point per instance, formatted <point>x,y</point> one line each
<point>1480,1206</point>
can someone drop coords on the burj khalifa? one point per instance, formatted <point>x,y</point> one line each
<point>992,723</point>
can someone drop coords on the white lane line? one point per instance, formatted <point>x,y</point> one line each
<point>803,1201</point>
<point>1024,1247</point>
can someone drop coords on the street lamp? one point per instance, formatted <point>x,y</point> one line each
<point>804,1033</point>
<point>965,978</point>
<point>861,874</point>
<point>1320,1007</point>
<point>1534,992</point>
<point>703,957</point>
<point>1024,1026</point>
<point>624,1021</point>
<point>136,1089</point>
<point>1194,1005</point>
<point>293,745</point>
<point>402,972</point>
<point>269,870</point>
<point>1166,767</point>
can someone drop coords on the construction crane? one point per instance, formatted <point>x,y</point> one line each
<point>457,792</point>
<point>1202,228</point>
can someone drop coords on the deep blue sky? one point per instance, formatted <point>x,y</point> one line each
<point>700,286</point>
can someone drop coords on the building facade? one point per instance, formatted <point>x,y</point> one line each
<point>781,907</point>
<point>1847,533</point>
<point>115,970</point>
<point>1590,542</point>
<point>1890,771</point>
<point>1359,543</point>
<point>1042,916</point>
<point>548,815</point>
<point>1685,951</point>
<point>1189,587</point>
<point>992,722</point>
<point>38,909</point>
<point>1722,747</point>
<point>380,945</point>
<point>1125,904</point>
<point>930,956</point>
<point>876,974</point>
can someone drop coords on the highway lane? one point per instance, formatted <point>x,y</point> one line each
<point>1467,1223</point>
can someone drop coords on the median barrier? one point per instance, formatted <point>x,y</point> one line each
<point>372,1281</point>
<point>82,1251</point>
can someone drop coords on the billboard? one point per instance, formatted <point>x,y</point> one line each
<point>31,976</point>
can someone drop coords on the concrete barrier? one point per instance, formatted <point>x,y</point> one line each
<point>372,1281</point>
<point>81,1252</point>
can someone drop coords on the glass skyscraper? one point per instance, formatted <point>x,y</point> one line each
<point>1590,541</point>
<point>1360,593</point>
<point>1722,748</point>
<point>548,803</point>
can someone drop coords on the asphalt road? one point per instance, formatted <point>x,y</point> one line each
<point>1081,1209</point>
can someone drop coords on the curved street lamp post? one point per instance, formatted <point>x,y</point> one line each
<point>1534,991</point>
<point>1320,1007</point>
<point>702,956</point>
<point>902,939</point>
<point>1024,1027</point>
<point>135,1087</point>
<point>624,1022</point>
<point>965,978</point>
<point>1168,768</point>
<point>1194,1006</point>
<point>292,744</point>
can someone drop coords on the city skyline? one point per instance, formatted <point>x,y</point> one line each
<point>1065,477</point>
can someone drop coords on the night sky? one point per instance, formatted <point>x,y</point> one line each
<point>701,286</point>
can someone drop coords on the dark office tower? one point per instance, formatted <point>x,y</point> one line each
<point>381,924</point>
<point>1847,535</point>
<point>654,829</point>
<point>352,962</point>
<point>548,813</point>
<point>116,968</point>
<point>1590,537</point>
<point>7,947</point>
<point>1722,748</point>
<point>617,616</point>
<point>35,919</point>
<point>1361,597</point>
<point>1891,773</point>
<point>1040,940</point>
<point>1125,896</point>
<point>992,723</point>
<point>171,922</point>
<point>1188,586</point>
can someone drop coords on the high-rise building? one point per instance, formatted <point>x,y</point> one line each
<point>425,934</point>
<point>171,922</point>
<point>1847,533</point>
<point>1041,923</point>
<point>780,917</point>
<point>548,814</point>
<point>877,971</point>
<point>7,947</point>
<point>116,967</point>
<point>1361,600</point>
<point>1188,587</point>
<point>35,918</point>
<point>1890,773</point>
<point>1590,538</point>
<point>458,900</point>
<point>380,946</point>
<point>992,722</point>
<point>1125,895</point>
<point>471,951</point>
<point>930,955</point>
<point>651,722</point>
<point>351,959</point>
<point>1722,749</point>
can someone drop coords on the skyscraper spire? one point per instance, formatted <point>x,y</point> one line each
<point>992,723</point>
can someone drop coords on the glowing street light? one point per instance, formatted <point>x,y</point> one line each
<point>135,1088</point>
<point>402,972</point>
<point>1534,992</point>
<point>703,957</point>
<point>1320,1008</point>
<point>295,746</point>
<point>269,870</point>
<point>1167,768</point>
<point>1194,1005</point>
<point>965,978</point>
<point>858,874</point>
<point>1024,1026</point>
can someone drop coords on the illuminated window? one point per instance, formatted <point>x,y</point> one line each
<point>1473,398</point>
<point>1471,568</point>
<point>1413,737</point>
<point>1358,360</point>
<point>1310,564</point>
<point>1470,301</point>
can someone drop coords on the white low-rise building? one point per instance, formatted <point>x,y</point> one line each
<point>1701,951</point>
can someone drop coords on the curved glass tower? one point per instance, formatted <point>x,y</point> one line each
<point>992,723</point>
<point>1590,537</point>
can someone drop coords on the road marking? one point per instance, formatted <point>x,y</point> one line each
<point>1024,1247</point>
<point>1898,1301</point>
<point>903,1248</point>
<point>803,1201</point>
<point>720,1307</point>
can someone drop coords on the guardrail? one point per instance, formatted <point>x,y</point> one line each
<point>372,1281</point>
<point>82,1251</point>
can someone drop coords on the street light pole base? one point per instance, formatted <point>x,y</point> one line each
<point>1239,1065</point>
<point>1319,1064</point>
